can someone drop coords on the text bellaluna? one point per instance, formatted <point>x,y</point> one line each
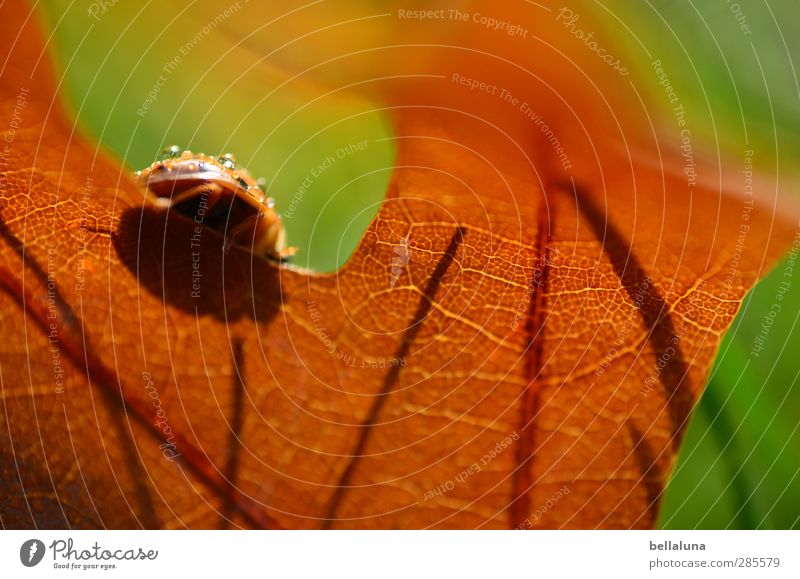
<point>679,546</point>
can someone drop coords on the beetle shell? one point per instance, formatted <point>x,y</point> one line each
<point>215,193</point>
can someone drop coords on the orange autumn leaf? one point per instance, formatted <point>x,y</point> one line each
<point>518,340</point>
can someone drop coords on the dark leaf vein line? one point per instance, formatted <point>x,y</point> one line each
<point>390,380</point>
<point>236,420</point>
<point>95,369</point>
<point>653,309</point>
<point>522,480</point>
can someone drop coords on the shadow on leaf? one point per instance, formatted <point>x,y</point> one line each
<point>186,265</point>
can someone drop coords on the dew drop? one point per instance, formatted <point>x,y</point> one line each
<point>172,152</point>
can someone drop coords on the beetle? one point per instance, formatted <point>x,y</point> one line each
<point>216,193</point>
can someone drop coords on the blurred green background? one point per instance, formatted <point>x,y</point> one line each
<point>734,66</point>
<point>144,76</point>
<point>732,63</point>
